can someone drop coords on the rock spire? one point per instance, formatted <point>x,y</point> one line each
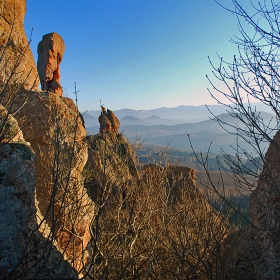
<point>108,121</point>
<point>50,52</point>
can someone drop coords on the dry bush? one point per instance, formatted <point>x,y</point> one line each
<point>157,227</point>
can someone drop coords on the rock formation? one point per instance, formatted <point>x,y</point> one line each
<point>16,57</point>
<point>53,127</point>
<point>51,204</point>
<point>176,176</point>
<point>115,152</point>
<point>17,193</point>
<point>52,124</point>
<point>50,212</point>
<point>265,200</point>
<point>18,212</point>
<point>253,252</point>
<point>108,121</point>
<point>50,53</point>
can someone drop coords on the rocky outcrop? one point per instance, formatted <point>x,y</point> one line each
<point>108,121</point>
<point>265,200</point>
<point>176,177</point>
<point>265,211</point>
<point>50,53</point>
<point>111,163</point>
<point>17,193</point>
<point>254,251</point>
<point>53,126</point>
<point>55,131</point>
<point>49,212</point>
<point>33,253</point>
<point>17,60</point>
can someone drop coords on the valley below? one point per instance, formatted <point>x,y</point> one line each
<point>187,135</point>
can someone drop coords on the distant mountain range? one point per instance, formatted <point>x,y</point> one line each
<point>180,112</point>
<point>174,127</point>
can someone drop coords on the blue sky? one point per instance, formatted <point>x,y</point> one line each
<point>139,54</point>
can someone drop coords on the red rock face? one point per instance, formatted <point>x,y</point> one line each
<point>22,244</point>
<point>108,121</point>
<point>50,52</point>
<point>53,127</point>
<point>14,46</point>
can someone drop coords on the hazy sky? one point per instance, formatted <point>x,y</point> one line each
<point>138,54</point>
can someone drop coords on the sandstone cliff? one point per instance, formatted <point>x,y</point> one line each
<point>17,62</point>
<point>24,251</point>
<point>61,209</point>
<point>53,127</point>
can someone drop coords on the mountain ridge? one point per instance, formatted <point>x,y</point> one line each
<point>202,133</point>
<point>179,112</point>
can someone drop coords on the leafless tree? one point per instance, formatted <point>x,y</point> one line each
<point>252,76</point>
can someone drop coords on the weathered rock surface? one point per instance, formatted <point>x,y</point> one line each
<point>176,176</point>
<point>16,57</point>
<point>254,251</point>
<point>113,151</point>
<point>108,121</point>
<point>111,160</point>
<point>17,194</point>
<point>50,53</point>
<point>33,254</point>
<point>55,131</point>
<point>265,211</point>
<point>51,205</point>
<point>9,129</point>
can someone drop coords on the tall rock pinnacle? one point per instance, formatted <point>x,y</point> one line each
<point>50,52</point>
<point>108,121</point>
